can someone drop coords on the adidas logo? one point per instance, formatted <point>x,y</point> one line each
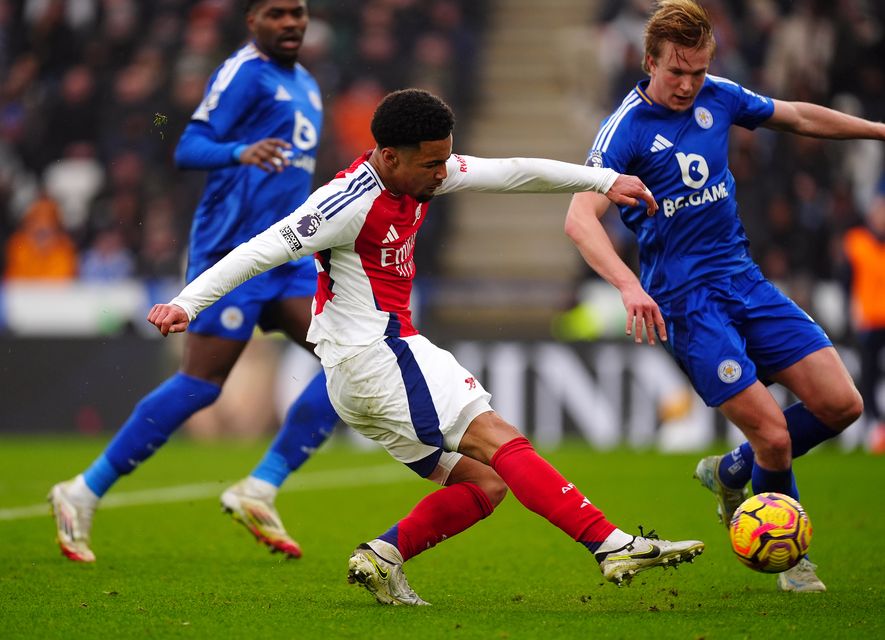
<point>391,235</point>
<point>660,144</point>
<point>282,94</point>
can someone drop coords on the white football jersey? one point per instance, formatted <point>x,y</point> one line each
<point>363,237</point>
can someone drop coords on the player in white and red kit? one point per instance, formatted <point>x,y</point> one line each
<point>393,385</point>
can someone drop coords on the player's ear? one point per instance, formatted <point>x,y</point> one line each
<point>390,157</point>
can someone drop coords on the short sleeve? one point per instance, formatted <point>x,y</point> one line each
<point>229,98</point>
<point>611,148</point>
<point>748,108</point>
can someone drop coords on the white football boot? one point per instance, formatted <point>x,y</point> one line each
<point>801,578</point>
<point>381,575</point>
<point>255,510</point>
<point>620,565</point>
<point>73,519</point>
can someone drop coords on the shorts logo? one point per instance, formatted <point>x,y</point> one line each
<point>232,318</point>
<point>594,159</point>
<point>703,117</point>
<point>308,225</point>
<point>729,371</point>
<point>290,238</point>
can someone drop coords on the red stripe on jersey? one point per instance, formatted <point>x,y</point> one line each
<point>324,283</point>
<point>386,247</point>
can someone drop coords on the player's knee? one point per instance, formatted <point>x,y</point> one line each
<point>496,492</point>
<point>493,487</point>
<point>774,445</point>
<point>841,410</point>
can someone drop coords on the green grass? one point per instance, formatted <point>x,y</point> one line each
<point>182,569</point>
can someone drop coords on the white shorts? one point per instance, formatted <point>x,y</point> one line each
<point>411,397</point>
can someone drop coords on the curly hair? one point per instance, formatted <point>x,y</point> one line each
<point>685,23</point>
<point>408,117</point>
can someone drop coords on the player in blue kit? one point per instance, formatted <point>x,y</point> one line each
<point>727,327</point>
<point>256,132</point>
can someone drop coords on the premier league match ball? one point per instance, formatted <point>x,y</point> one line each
<point>770,532</point>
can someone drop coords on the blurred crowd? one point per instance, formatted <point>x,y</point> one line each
<point>95,93</point>
<point>797,196</point>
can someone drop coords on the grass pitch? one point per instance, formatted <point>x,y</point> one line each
<point>170,565</point>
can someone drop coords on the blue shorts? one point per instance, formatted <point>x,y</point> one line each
<point>728,333</point>
<point>235,315</point>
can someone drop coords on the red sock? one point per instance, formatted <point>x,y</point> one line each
<point>442,514</point>
<point>541,488</point>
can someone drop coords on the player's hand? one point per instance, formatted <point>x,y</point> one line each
<point>168,318</point>
<point>629,191</point>
<point>267,154</point>
<point>642,313</point>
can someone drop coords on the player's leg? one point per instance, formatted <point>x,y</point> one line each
<point>383,394</point>
<point>408,390</point>
<point>756,413</point>
<point>308,423</point>
<point>206,364</point>
<point>745,412</point>
<point>542,489</point>
<point>828,403</point>
<point>737,326</point>
<point>471,492</point>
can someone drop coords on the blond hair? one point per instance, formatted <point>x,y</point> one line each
<point>685,23</point>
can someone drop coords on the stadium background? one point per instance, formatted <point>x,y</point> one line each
<point>94,93</point>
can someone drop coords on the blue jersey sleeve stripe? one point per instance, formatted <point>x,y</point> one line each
<point>632,101</point>
<point>351,186</point>
<point>362,180</point>
<point>368,167</point>
<point>343,204</point>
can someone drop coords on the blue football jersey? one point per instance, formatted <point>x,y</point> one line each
<point>682,156</point>
<point>248,98</point>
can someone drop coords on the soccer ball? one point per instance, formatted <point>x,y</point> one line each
<point>770,532</point>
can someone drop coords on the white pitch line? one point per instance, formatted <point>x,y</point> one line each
<point>331,479</point>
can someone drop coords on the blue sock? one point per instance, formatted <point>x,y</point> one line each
<point>391,536</point>
<point>778,481</point>
<point>150,424</point>
<point>309,422</point>
<point>806,432</point>
<point>736,466</point>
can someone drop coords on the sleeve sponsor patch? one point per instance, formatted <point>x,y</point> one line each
<point>290,238</point>
<point>308,225</point>
<point>595,159</point>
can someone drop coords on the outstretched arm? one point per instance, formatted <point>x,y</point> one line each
<point>199,148</point>
<point>807,119</point>
<point>262,253</point>
<point>540,175</point>
<point>583,226</point>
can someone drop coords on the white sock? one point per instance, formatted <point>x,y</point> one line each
<point>616,540</point>
<point>261,488</point>
<point>80,492</point>
<point>386,550</point>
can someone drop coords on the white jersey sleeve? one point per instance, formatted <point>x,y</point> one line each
<point>305,231</point>
<point>523,175</point>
